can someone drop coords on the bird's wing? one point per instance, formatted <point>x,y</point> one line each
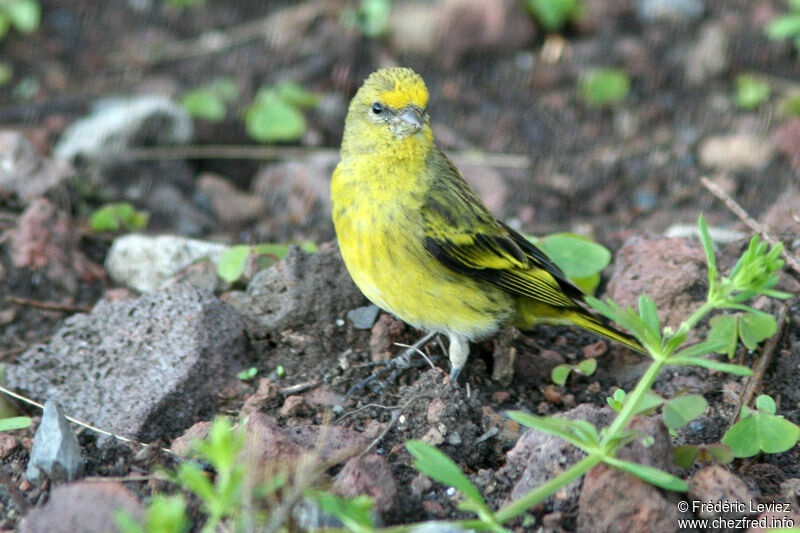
<point>462,234</point>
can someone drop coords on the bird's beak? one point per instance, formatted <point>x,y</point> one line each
<point>411,119</point>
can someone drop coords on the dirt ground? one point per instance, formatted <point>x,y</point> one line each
<point>629,170</point>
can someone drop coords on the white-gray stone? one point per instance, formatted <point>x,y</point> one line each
<point>117,124</point>
<point>56,454</point>
<point>146,263</point>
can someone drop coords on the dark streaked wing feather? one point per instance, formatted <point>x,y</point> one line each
<point>464,236</point>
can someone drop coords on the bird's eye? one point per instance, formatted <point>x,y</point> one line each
<point>377,108</point>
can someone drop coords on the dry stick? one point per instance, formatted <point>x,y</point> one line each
<point>761,366</point>
<point>392,422</point>
<point>49,306</point>
<point>328,155</point>
<point>80,423</point>
<point>739,211</point>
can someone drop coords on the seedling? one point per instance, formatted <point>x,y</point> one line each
<point>118,217</point>
<point>560,373</point>
<point>275,114</point>
<point>22,15</point>
<point>689,454</point>
<point>604,86</point>
<point>210,102</point>
<point>554,15</point>
<point>761,430</point>
<point>786,26</point>
<point>751,92</point>
<point>243,261</point>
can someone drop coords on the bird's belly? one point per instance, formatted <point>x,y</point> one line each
<point>396,273</point>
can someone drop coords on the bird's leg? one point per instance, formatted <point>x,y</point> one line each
<point>459,352</point>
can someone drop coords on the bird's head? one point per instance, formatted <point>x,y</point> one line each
<point>389,112</point>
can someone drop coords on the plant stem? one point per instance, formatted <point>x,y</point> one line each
<point>533,497</point>
<point>631,401</point>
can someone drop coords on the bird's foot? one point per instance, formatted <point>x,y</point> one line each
<point>393,367</point>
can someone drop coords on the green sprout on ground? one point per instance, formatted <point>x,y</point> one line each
<point>13,423</point>
<point>276,112</point>
<point>370,18</point>
<point>243,261</point>
<point>761,430</point>
<point>21,15</point>
<point>603,87</point>
<point>751,91</point>
<point>118,217</point>
<point>786,26</point>
<point>210,101</point>
<point>554,15</point>
<point>560,373</point>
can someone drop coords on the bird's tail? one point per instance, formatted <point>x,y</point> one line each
<point>533,313</point>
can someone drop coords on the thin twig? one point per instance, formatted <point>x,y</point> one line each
<point>739,211</point>
<point>300,387</point>
<point>81,423</point>
<point>49,306</point>
<point>754,381</point>
<point>420,352</point>
<point>325,155</point>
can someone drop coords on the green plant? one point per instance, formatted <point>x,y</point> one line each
<point>761,430</point>
<point>554,15</point>
<point>581,259</point>
<point>755,273</point>
<point>14,422</point>
<point>786,26</point>
<point>751,328</point>
<point>688,454</point>
<point>751,91</point>
<point>209,102</point>
<point>244,260</point>
<point>371,18</point>
<point>354,513</point>
<point>275,114</point>
<point>560,373</point>
<point>183,4</point>
<point>22,15</point>
<point>602,87</point>
<point>165,514</point>
<point>6,73</point>
<point>118,217</point>
<point>248,374</point>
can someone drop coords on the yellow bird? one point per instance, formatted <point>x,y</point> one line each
<point>419,242</point>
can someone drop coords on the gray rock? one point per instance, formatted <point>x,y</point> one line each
<point>56,454</point>
<point>146,263</point>
<point>540,457</point>
<point>23,172</point>
<point>117,124</point>
<point>85,506</point>
<point>146,368</point>
<point>304,288</point>
<point>364,317</point>
<point>736,152</point>
<point>708,56</point>
<point>675,10</point>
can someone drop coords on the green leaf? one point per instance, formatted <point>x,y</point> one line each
<point>756,327</point>
<point>274,120</point>
<point>783,27</point>
<point>577,432</point>
<point>649,314</point>
<point>437,466</point>
<point>293,93</point>
<point>226,88</point>
<point>553,15</point>
<point>724,333</point>
<point>118,216</point>
<point>687,455</point>
<point>232,262</point>
<point>372,17</point>
<point>794,5</point>
<point>759,431</point>
<point>750,91</point>
<point>14,423</point>
<point>681,410</point>
<point>617,401</point>
<point>353,512</point>
<point>248,374</point>
<point>652,475</point>
<point>195,480</point>
<point>165,514</point>
<point>24,15</point>
<point>5,24</point>
<point>587,367</point>
<point>575,255</point>
<point>560,373</point>
<point>712,364</point>
<point>766,404</point>
<point>602,87</point>
<point>204,104</point>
